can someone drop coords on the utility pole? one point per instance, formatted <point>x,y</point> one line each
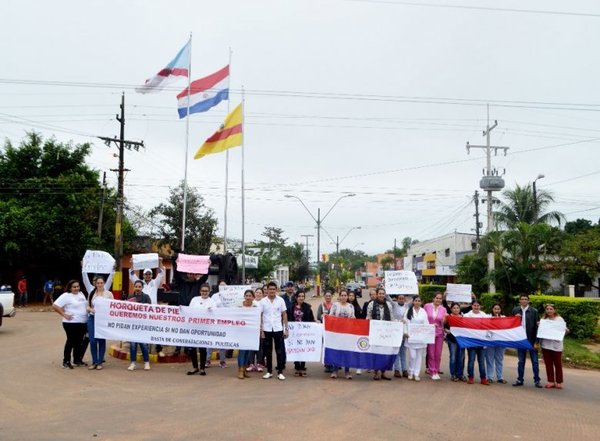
<point>395,267</point>
<point>122,144</point>
<point>306,236</point>
<point>100,216</point>
<point>490,182</point>
<point>477,223</point>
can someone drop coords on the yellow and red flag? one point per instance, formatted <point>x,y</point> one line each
<point>229,135</point>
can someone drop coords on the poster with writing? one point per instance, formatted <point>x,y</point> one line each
<point>143,261</point>
<point>384,333</point>
<point>552,329</point>
<point>458,292</point>
<point>232,295</point>
<point>401,282</point>
<point>186,263</point>
<point>304,342</point>
<point>421,333</point>
<point>99,262</point>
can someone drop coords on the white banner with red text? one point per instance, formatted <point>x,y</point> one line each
<point>221,328</point>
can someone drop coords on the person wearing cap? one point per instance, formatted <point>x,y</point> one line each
<point>150,287</point>
<point>288,294</point>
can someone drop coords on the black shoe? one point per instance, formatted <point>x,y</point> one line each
<point>80,364</point>
<point>518,383</point>
<point>538,385</point>
<point>193,372</point>
<point>202,372</point>
<point>67,365</point>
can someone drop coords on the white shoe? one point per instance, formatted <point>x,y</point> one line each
<point>359,372</point>
<point>280,377</point>
<point>146,366</point>
<point>267,375</point>
<point>435,377</point>
<point>131,367</point>
<point>417,378</point>
<point>410,376</point>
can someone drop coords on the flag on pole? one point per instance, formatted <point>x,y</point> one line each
<point>229,135</point>
<point>204,93</point>
<point>178,67</point>
<point>503,332</point>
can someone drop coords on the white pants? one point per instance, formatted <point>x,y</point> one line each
<point>416,359</point>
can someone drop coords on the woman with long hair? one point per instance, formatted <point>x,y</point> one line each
<point>552,351</point>
<point>97,345</point>
<point>243,355</point>
<point>256,359</point>
<point>354,302</point>
<point>201,301</point>
<point>457,354</point>
<point>494,356</point>
<point>476,352</point>
<point>417,316</point>
<point>300,311</point>
<point>71,305</point>
<point>436,314</point>
<point>380,309</point>
<point>346,310</point>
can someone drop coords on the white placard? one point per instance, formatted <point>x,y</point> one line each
<point>233,328</point>
<point>232,295</point>
<point>251,261</point>
<point>458,292</point>
<point>305,341</point>
<point>552,329</point>
<point>143,261</point>
<point>384,333</point>
<point>401,282</point>
<point>98,262</point>
<point>421,333</point>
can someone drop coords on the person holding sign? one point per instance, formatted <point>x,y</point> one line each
<point>476,352</point>
<point>256,359</point>
<point>300,311</point>
<point>345,310</point>
<point>243,355</point>
<point>72,307</point>
<point>151,286</point>
<point>436,314</point>
<point>202,301</point>
<point>273,329</point>
<point>552,350</point>
<point>495,355</point>
<point>529,321</point>
<point>415,315</point>
<point>457,354</point>
<point>139,297</point>
<point>97,345</point>
<point>380,309</point>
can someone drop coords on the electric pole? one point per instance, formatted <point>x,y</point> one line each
<point>122,144</point>
<point>490,182</point>
<point>395,267</point>
<point>306,236</point>
<point>477,223</point>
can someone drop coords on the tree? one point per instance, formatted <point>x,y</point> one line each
<point>472,269</point>
<point>201,223</point>
<point>578,225</point>
<point>520,207</point>
<point>580,257</point>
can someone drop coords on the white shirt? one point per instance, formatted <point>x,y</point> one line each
<point>199,302</point>
<point>271,314</point>
<point>75,305</point>
<point>472,314</point>
<point>151,287</point>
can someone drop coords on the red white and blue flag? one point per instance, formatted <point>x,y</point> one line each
<point>346,343</point>
<point>204,93</point>
<point>503,332</point>
<point>178,67</point>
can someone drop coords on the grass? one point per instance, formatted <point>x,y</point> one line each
<point>575,354</point>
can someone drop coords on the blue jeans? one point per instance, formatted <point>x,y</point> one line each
<point>97,345</point>
<point>494,358</point>
<point>522,353</point>
<point>133,351</point>
<point>478,352</point>
<point>457,359</point>
<point>400,361</point>
<point>242,358</point>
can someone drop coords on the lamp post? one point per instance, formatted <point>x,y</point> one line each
<point>338,241</point>
<point>535,205</point>
<point>319,221</point>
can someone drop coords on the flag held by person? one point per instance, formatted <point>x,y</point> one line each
<point>229,135</point>
<point>504,332</point>
<point>204,93</point>
<point>178,67</point>
<point>346,343</point>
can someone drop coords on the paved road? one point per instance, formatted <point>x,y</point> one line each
<point>41,401</point>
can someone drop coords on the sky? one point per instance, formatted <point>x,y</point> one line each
<point>372,98</point>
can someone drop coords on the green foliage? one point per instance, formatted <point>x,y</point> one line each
<point>576,354</point>
<point>580,314</point>
<point>580,256</point>
<point>519,207</point>
<point>426,292</point>
<point>488,300</point>
<point>472,269</point>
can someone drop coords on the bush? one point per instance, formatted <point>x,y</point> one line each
<point>426,292</point>
<point>580,314</point>
<point>487,300</point>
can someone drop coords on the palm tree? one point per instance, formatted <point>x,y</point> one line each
<point>520,207</point>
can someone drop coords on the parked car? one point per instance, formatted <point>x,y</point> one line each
<point>355,287</point>
<point>7,309</point>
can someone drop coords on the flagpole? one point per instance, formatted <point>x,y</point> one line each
<point>187,142</point>
<point>243,190</point>
<point>226,169</point>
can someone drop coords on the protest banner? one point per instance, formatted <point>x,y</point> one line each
<point>401,282</point>
<point>383,333</point>
<point>552,329</point>
<point>187,263</point>
<point>232,295</point>
<point>304,342</point>
<point>458,292</point>
<point>421,333</point>
<point>233,328</point>
<point>98,262</point>
<point>143,261</point>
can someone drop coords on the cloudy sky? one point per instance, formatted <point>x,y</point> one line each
<point>376,98</point>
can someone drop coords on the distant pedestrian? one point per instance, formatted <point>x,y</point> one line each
<point>22,292</point>
<point>49,291</point>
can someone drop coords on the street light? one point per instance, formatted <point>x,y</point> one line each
<point>535,206</point>
<point>338,241</point>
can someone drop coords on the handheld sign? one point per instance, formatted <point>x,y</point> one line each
<point>460,293</point>
<point>424,334</point>
<point>304,342</point>
<point>98,262</point>
<point>401,282</point>
<point>232,295</point>
<point>383,333</point>
<point>187,263</point>
<point>143,261</point>
<point>552,329</point>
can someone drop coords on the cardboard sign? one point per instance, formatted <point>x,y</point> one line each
<point>98,262</point>
<point>187,263</point>
<point>424,334</point>
<point>401,282</point>
<point>384,333</point>
<point>460,293</point>
<point>143,261</point>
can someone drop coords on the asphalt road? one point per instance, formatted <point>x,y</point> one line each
<point>41,401</point>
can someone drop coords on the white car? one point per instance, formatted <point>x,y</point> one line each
<point>7,309</point>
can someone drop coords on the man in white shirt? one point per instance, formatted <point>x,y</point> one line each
<point>273,329</point>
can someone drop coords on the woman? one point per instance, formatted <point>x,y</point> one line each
<point>552,351</point>
<point>243,355</point>
<point>300,311</point>
<point>457,354</point>
<point>380,309</point>
<point>97,345</point>
<point>354,302</point>
<point>436,314</point>
<point>256,359</point>
<point>494,356</point>
<point>476,352</point>
<point>416,316</point>
<point>139,296</point>
<point>325,307</point>
<point>372,295</point>
<point>71,305</point>
<point>345,310</point>
<point>201,301</point>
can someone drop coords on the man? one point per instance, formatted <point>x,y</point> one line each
<point>49,291</point>
<point>22,291</point>
<point>288,294</point>
<point>400,308</point>
<point>150,287</point>
<point>529,321</point>
<point>273,329</point>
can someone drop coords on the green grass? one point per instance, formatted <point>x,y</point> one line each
<point>577,355</point>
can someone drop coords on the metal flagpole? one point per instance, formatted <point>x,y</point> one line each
<point>227,168</point>
<point>187,142</point>
<point>243,200</point>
